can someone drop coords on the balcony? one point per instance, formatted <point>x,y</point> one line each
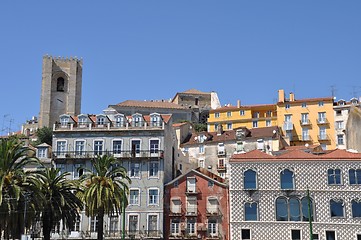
<point>287,126</point>
<point>305,122</point>
<point>142,154</point>
<point>213,235</point>
<point>221,168</point>
<point>323,137</point>
<point>322,121</point>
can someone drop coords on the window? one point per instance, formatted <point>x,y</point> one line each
<point>315,236</point>
<point>155,120</point>
<point>201,163</point>
<point>245,234</point>
<point>322,117</point>
<point>94,224</point>
<point>296,234</point>
<point>175,230</point>
<point>137,120</point>
<point>304,118</point>
<point>356,208</point>
<point>340,139</point>
<point>82,121</point>
<point>100,120</point>
<point>192,205</point>
<point>119,121</point>
<point>78,170</point>
<point>229,114</point>
<point>216,126</point>
<point>201,148</point>
<point>334,176</point>
<point>60,83</point>
<point>287,106</point>
<point>79,147</point>
<point>76,226</point>
<point>135,148</point>
<point>134,196</point>
<point>64,121</point>
<point>134,170</point>
<point>212,205</point>
<point>154,146</point>
<point>191,184</point>
<point>339,125</point>
<point>212,227</point>
<point>229,126</point>
<point>249,178</point>
<point>133,223</point>
<point>268,123</point>
<point>320,103</point>
<point>191,226</point>
<point>176,206</point>
<point>117,146</point>
<point>269,113</point>
<point>322,132</point>
<point>338,113</point>
<point>41,152</point>
<point>61,168</point>
<point>98,147</point>
<point>241,112</point>
<point>61,147</point>
<point>152,224</point>
<point>255,124</point>
<point>251,211</point>
<point>221,163</point>
<point>354,176</point>
<point>336,208</point>
<point>305,134</point>
<point>221,150</point>
<point>304,105</point>
<point>255,115</point>
<point>113,223</point>
<point>210,183</point>
<point>293,209</point>
<point>153,169</point>
<point>153,197</point>
<point>330,235</point>
<point>287,179</point>
<point>216,115</point>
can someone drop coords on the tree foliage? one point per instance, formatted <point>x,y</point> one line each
<point>44,135</point>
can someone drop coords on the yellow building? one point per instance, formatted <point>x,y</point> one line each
<point>302,121</point>
<point>309,120</point>
<point>251,116</point>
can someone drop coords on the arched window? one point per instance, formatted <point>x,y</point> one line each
<point>249,178</point>
<point>295,211</point>
<point>251,211</point>
<point>60,82</point>
<point>281,209</point>
<point>356,208</point>
<point>354,176</point>
<point>305,210</point>
<point>337,208</point>
<point>287,179</point>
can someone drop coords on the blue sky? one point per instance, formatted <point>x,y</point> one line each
<point>141,50</point>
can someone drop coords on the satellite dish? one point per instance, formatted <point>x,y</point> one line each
<point>307,145</point>
<point>274,131</point>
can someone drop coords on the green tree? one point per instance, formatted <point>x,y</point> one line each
<point>59,200</point>
<point>15,188</point>
<point>200,127</point>
<point>104,190</point>
<point>44,135</point>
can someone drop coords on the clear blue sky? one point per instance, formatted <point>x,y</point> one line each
<point>140,50</point>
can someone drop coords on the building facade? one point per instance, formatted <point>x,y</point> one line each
<point>139,142</point>
<point>274,197</point>
<point>196,207</point>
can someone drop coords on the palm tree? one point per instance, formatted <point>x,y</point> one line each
<point>104,189</point>
<point>14,185</point>
<point>59,199</point>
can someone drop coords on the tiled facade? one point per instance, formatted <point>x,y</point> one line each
<point>328,177</point>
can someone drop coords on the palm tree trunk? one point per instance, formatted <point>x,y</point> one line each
<point>100,224</point>
<point>47,226</point>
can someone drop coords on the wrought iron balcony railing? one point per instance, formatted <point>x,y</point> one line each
<point>117,154</point>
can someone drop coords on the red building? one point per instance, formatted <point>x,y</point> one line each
<point>196,207</point>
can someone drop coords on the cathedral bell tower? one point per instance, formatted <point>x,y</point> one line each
<point>60,89</point>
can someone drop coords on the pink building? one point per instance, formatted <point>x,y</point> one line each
<point>196,206</point>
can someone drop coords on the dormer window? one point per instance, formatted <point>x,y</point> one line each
<point>137,120</point>
<point>42,152</point>
<point>64,121</point>
<point>100,120</point>
<point>354,101</point>
<point>155,120</point>
<point>119,121</point>
<point>201,138</point>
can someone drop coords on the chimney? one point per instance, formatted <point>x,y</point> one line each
<point>238,103</point>
<point>281,95</point>
<point>292,97</point>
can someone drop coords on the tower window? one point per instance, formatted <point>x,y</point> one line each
<point>60,84</point>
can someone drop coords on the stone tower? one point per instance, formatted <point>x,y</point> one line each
<point>60,89</point>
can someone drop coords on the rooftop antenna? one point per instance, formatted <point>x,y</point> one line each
<point>2,127</point>
<point>333,91</point>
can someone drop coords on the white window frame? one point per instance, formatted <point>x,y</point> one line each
<point>150,168</point>
<point>138,218</point>
<point>118,154</point>
<point>140,146</point>
<point>96,151</point>
<point>42,152</point>
<point>77,151</point>
<point>157,223</point>
<point>137,198</point>
<point>156,202</point>
<point>139,169</point>
<point>64,148</point>
<point>154,151</point>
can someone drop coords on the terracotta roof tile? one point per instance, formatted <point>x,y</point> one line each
<point>149,104</point>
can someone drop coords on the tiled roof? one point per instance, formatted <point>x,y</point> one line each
<point>180,124</point>
<point>149,104</point>
<point>203,173</point>
<point>255,133</point>
<point>194,91</point>
<point>297,155</point>
<point>242,107</point>
<point>308,100</point>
